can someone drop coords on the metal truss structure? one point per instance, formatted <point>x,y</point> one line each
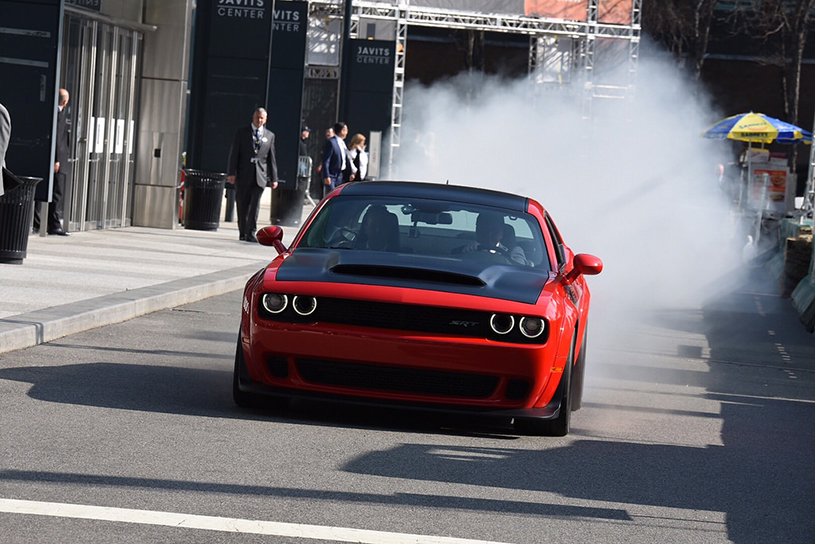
<point>562,54</point>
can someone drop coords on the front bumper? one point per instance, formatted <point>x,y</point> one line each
<point>550,411</point>
<point>275,363</point>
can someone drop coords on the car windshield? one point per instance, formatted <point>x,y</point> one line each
<point>428,228</point>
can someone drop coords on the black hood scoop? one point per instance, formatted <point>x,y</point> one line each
<point>408,273</point>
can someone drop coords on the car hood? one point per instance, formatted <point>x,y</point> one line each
<point>445,274</point>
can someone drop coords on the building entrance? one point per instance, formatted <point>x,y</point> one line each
<point>100,69</point>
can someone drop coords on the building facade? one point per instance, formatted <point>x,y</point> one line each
<point>133,68</point>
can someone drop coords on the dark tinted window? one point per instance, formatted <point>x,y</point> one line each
<point>429,228</point>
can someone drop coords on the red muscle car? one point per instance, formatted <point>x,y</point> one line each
<point>421,295</point>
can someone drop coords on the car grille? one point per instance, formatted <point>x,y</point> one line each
<point>453,322</point>
<point>402,380</point>
<point>403,317</point>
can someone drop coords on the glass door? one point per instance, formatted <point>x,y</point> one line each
<point>101,67</point>
<point>99,126</point>
<point>124,68</point>
<point>78,57</point>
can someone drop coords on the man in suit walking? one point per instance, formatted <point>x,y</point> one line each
<point>252,166</point>
<point>335,158</point>
<point>62,172</point>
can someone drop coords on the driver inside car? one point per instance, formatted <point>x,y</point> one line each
<point>380,230</point>
<point>489,231</point>
<point>491,235</point>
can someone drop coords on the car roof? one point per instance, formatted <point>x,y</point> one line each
<point>437,191</point>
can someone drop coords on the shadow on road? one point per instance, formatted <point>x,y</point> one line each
<point>759,371</point>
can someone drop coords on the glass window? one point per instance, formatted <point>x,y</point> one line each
<point>429,228</point>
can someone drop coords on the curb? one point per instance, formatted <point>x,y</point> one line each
<point>27,330</point>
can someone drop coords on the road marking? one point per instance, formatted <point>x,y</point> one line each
<point>229,525</point>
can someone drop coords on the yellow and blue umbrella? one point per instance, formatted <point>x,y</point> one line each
<point>757,127</point>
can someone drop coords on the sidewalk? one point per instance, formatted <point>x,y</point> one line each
<point>94,278</point>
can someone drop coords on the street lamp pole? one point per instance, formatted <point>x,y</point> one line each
<point>346,60</point>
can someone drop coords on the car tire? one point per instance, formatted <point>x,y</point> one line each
<point>579,374</point>
<point>241,398</point>
<point>560,425</point>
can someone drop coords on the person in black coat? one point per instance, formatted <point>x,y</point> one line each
<point>252,166</point>
<point>62,172</point>
<point>304,134</point>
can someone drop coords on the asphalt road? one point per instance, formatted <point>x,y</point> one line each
<point>697,427</point>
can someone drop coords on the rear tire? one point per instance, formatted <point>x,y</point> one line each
<point>560,425</point>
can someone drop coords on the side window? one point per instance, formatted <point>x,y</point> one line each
<point>561,258</point>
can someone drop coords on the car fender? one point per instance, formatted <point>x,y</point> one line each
<point>562,316</point>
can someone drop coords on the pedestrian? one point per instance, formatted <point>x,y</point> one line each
<point>62,172</point>
<point>252,166</point>
<point>304,134</point>
<point>359,157</point>
<point>335,158</point>
<point>329,133</point>
<point>5,137</point>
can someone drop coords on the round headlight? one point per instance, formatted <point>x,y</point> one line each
<point>304,305</point>
<point>274,303</point>
<point>502,324</point>
<point>532,327</point>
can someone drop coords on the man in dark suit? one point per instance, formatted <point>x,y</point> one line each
<point>335,158</point>
<point>252,166</point>
<point>62,172</point>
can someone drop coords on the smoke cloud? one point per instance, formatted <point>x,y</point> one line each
<point>635,186</point>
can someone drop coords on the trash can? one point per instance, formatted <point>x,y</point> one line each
<point>16,217</point>
<point>290,199</point>
<point>203,194</point>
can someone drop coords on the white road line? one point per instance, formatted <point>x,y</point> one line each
<point>229,525</point>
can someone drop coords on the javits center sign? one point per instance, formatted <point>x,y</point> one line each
<point>370,86</point>
<point>289,18</point>
<point>242,9</point>
<point>242,22</point>
<point>230,68</point>
<point>364,53</point>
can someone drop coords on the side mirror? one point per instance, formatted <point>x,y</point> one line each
<point>272,236</point>
<point>585,264</point>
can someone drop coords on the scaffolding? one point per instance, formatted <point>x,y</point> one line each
<point>562,54</point>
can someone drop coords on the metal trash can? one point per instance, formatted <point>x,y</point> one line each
<point>203,195</point>
<point>16,217</point>
<point>289,207</point>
